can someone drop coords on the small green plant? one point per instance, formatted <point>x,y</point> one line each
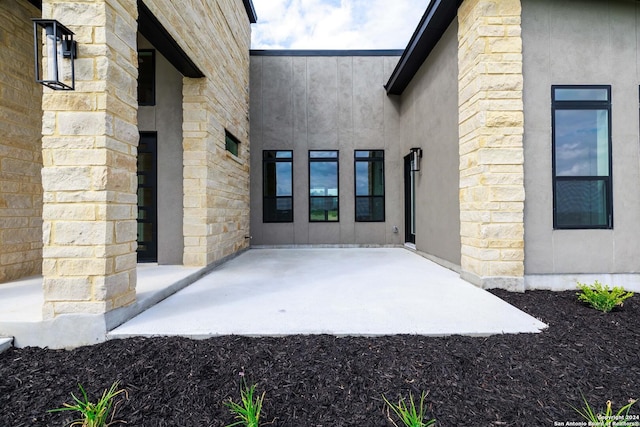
<point>410,415</point>
<point>247,412</point>
<point>600,297</point>
<point>604,418</point>
<point>93,414</point>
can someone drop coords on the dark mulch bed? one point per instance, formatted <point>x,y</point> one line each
<point>313,381</point>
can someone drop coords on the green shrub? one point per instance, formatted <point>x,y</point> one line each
<point>600,297</point>
<point>93,414</point>
<point>410,415</point>
<point>249,408</point>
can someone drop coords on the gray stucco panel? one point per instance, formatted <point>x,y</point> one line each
<point>590,43</point>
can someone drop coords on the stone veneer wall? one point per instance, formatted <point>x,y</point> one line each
<point>20,145</point>
<point>89,151</point>
<point>216,183</point>
<point>491,126</point>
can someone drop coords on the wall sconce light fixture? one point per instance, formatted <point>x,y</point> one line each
<point>59,44</point>
<point>416,155</point>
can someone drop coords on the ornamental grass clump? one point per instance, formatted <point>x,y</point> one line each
<point>409,415</point>
<point>608,417</point>
<point>601,298</point>
<point>94,414</point>
<point>247,412</point>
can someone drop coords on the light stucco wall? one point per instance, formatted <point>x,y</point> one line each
<point>304,103</point>
<point>591,43</point>
<point>429,120</point>
<point>165,118</point>
<point>20,145</point>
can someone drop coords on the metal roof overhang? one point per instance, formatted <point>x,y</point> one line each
<point>434,22</point>
<point>251,11</point>
<point>154,31</point>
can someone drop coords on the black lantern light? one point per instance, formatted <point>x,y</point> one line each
<point>416,155</point>
<point>59,44</point>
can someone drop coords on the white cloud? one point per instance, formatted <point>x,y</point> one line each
<point>335,24</point>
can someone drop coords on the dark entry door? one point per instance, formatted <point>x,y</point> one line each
<point>147,197</point>
<point>409,202</point>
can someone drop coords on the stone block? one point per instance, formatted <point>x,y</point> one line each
<point>500,156</point>
<point>84,267</point>
<point>78,212</point>
<point>69,232</point>
<point>67,289</point>
<point>66,178</point>
<point>507,194</point>
<point>507,231</point>
<point>84,123</point>
<point>507,269</point>
<point>56,308</point>
<point>125,262</point>
<point>126,231</point>
<point>512,217</point>
<point>79,157</point>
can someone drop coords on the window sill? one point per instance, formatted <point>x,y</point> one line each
<point>236,159</point>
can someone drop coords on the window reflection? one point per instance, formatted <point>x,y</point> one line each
<point>369,185</point>
<point>582,142</point>
<point>582,157</point>
<point>277,185</point>
<point>323,186</point>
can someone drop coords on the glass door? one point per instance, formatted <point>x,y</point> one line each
<point>147,197</point>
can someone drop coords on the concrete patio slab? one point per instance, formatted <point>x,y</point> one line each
<point>339,291</point>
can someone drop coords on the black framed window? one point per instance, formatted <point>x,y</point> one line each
<point>231,143</point>
<point>323,186</point>
<point>277,186</point>
<point>369,185</point>
<point>146,77</point>
<point>581,121</point>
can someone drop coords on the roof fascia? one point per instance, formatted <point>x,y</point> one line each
<point>434,22</point>
<point>295,52</point>
<point>251,11</point>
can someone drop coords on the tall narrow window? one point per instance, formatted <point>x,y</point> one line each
<point>146,77</point>
<point>323,186</point>
<point>369,182</point>
<point>277,184</point>
<point>582,157</point>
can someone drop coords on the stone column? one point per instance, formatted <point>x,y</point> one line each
<point>216,183</point>
<point>491,127</point>
<point>89,179</point>
<point>199,148</point>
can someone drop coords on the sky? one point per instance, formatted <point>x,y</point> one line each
<point>335,24</point>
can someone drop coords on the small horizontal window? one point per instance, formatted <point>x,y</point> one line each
<point>231,144</point>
